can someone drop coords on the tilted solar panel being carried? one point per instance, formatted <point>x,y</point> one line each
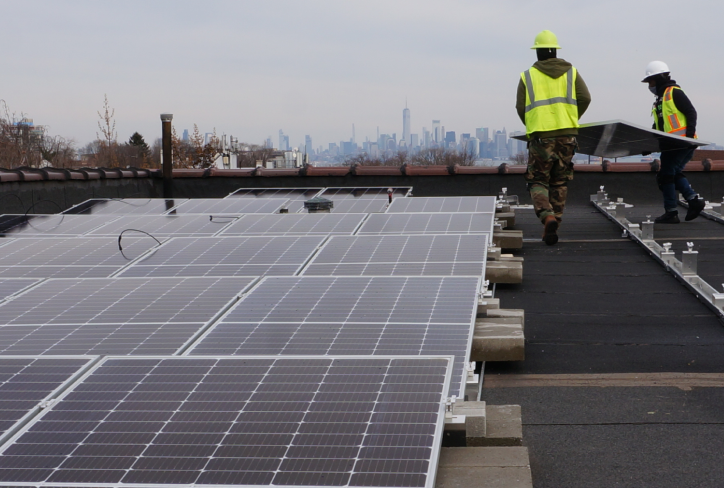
<point>297,196</point>
<point>443,204</point>
<point>51,225</point>
<point>428,223</point>
<point>27,381</point>
<point>165,225</point>
<point>299,224</point>
<point>227,256</point>
<point>240,421</point>
<point>11,286</point>
<point>114,315</point>
<point>231,206</point>
<point>408,255</point>
<point>317,315</point>
<point>70,257</point>
<point>135,206</point>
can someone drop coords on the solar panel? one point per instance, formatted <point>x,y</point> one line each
<point>428,223</point>
<point>411,255</point>
<point>71,257</point>
<point>165,225</point>
<point>351,316</point>
<point>443,204</point>
<point>135,206</point>
<point>11,286</point>
<point>294,224</point>
<point>227,256</point>
<point>231,205</point>
<point>27,381</point>
<point>122,301</point>
<point>362,205</point>
<point>297,196</point>
<point>50,225</point>
<point>240,421</point>
<point>365,192</point>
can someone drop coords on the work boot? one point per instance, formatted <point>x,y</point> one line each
<point>668,218</point>
<point>549,231</point>
<point>695,207</point>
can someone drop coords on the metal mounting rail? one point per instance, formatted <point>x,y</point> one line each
<point>684,270</point>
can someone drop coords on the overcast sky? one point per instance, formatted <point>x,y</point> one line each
<point>249,68</point>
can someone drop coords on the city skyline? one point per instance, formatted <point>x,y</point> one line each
<point>334,65</point>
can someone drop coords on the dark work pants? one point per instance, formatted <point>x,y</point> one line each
<point>671,179</point>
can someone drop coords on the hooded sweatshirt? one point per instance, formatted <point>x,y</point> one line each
<point>555,68</point>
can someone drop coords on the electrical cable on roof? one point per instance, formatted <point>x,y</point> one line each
<point>131,204</point>
<point>62,215</point>
<point>13,195</point>
<point>120,236</point>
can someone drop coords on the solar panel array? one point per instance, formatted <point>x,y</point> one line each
<point>227,256</point>
<point>125,206</point>
<point>403,255</point>
<point>70,257</point>
<point>428,223</point>
<point>219,342</point>
<point>314,421</point>
<point>443,204</point>
<point>26,381</point>
<point>351,315</point>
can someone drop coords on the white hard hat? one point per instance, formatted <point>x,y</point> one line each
<point>655,68</point>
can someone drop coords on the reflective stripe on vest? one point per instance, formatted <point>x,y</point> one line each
<point>674,120</point>
<point>544,112</point>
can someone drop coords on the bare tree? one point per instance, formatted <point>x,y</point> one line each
<point>108,143</point>
<point>519,158</point>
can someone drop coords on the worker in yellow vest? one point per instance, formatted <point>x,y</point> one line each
<point>551,98</point>
<point>674,114</point>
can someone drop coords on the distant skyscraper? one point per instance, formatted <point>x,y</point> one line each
<point>414,141</point>
<point>185,136</point>
<point>426,140</point>
<point>501,144</point>
<point>308,145</point>
<point>436,136</point>
<point>406,126</point>
<point>450,138</point>
<point>473,146</point>
<point>283,141</point>
<point>482,134</point>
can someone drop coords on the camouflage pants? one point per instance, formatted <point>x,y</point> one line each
<point>549,171</point>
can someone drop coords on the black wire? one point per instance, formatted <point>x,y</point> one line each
<point>120,248</point>
<point>62,215</point>
<point>131,204</point>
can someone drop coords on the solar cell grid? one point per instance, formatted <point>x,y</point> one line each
<point>401,255</point>
<point>72,257</point>
<point>165,225</point>
<point>231,205</point>
<point>296,196</point>
<point>361,205</point>
<point>428,223</point>
<point>364,192</point>
<point>241,421</point>
<point>135,206</point>
<point>122,301</point>
<point>26,381</point>
<point>351,316</point>
<point>443,204</point>
<point>295,224</point>
<point>12,286</point>
<point>227,256</point>
<point>51,225</point>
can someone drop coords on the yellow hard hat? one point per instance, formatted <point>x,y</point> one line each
<point>546,40</point>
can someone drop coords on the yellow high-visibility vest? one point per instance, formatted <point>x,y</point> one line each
<point>674,120</point>
<point>550,103</point>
